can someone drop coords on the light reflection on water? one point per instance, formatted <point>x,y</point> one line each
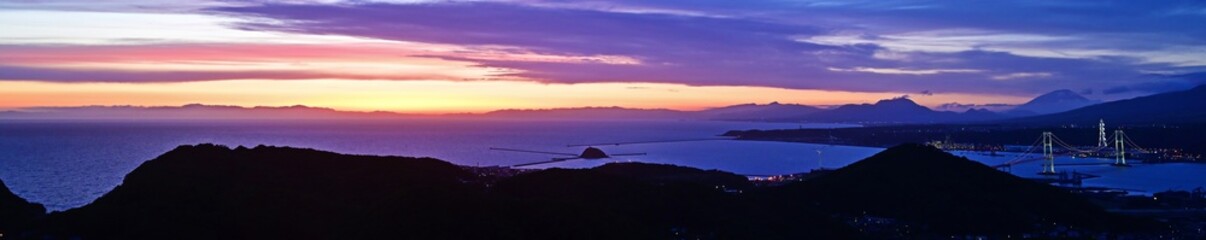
<point>66,164</point>
<point>1139,178</point>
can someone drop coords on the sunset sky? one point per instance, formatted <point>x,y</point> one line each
<point>474,56</point>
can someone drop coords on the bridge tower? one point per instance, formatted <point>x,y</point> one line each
<point>1119,148</point>
<point>1048,155</point>
<point>1101,137</point>
<point>820,164</point>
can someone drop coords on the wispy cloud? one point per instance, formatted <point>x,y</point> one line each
<point>1013,48</point>
<point>903,71</point>
<point>692,49</point>
<point>1022,75</point>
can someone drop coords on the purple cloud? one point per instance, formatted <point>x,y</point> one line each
<point>1163,84</point>
<point>695,50</point>
<point>15,73</point>
<point>1165,21</point>
<point>1017,47</point>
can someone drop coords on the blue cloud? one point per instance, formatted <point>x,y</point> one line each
<point>1008,47</point>
<point>730,46</point>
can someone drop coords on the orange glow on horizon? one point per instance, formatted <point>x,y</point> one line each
<point>419,80</point>
<point>435,96</point>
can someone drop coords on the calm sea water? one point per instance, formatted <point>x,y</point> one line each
<point>66,164</point>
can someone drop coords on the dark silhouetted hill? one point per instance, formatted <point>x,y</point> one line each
<point>605,205</point>
<point>1052,102</point>
<point>16,212</point>
<point>940,193</point>
<point>671,174</point>
<point>1180,107</point>
<point>978,114</point>
<point>215,192</point>
<point>893,111</point>
<point>752,111</point>
<point>619,202</point>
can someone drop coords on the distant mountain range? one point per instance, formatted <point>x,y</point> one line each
<point>898,110</point>
<point>753,111</point>
<point>749,111</point>
<point>888,111</point>
<point>1053,102</point>
<point>190,111</point>
<point>1057,107</point>
<point>1165,108</point>
<point>202,111</point>
<point>1175,107</point>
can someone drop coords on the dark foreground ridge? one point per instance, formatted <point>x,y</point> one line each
<point>15,212</point>
<point>942,194</point>
<point>214,192</point>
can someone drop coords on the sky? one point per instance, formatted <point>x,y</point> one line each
<point>473,56</point>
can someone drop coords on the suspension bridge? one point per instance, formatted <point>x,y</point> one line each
<point>1052,146</point>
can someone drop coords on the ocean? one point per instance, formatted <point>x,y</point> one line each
<point>69,163</point>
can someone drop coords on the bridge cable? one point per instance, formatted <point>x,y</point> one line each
<point>1132,144</point>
